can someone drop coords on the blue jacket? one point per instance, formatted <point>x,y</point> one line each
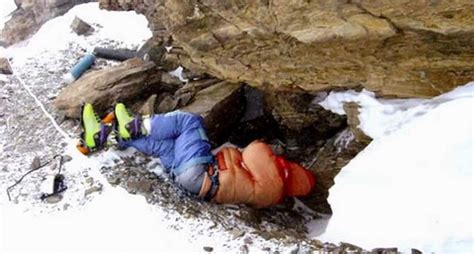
<point>178,139</point>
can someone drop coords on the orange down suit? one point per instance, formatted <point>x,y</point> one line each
<point>259,178</point>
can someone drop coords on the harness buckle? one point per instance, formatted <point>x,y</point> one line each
<point>214,176</point>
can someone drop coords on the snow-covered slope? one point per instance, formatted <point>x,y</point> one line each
<point>115,222</point>
<point>109,219</point>
<point>412,187</point>
<point>127,28</point>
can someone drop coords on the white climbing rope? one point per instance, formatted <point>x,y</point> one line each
<point>46,113</point>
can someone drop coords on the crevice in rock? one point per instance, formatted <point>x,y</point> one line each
<point>389,21</point>
<point>274,16</point>
<point>210,10</point>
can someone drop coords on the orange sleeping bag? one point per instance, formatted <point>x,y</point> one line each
<point>259,178</point>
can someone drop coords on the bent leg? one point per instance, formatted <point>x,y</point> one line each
<point>192,178</point>
<point>173,124</point>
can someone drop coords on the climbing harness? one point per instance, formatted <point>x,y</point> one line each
<point>213,173</point>
<point>58,185</point>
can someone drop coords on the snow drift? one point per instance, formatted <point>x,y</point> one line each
<point>412,186</point>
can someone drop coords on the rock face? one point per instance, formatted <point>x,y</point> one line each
<point>334,155</point>
<point>221,106</point>
<point>5,67</point>
<point>352,112</point>
<point>30,15</point>
<point>393,47</point>
<point>303,124</point>
<point>330,159</point>
<point>122,83</point>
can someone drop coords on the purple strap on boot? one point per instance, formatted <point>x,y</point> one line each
<point>135,127</point>
<point>103,134</point>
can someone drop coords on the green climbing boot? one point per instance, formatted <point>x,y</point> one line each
<point>94,135</point>
<point>128,127</point>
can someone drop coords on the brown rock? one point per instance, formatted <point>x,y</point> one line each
<point>207,249</point>
<point>167,103</point>
<point>385,251</point>
<point>184,99</point>
<point>197,85</point>
<point>148,107</point>
<point>36,163</point>
<point>329,160</point>
<point>122,83</point>
<point>170,62</point>
<point>303,124</point>
<point>221,105</point>
<point>350,248</point>
<point>140,186</point>
<point>171,80</point>
<point>392,47</point>
<point>80,27</point>
<point>194,74</point>
<point>153,50</point>
<point>5,67</point>
<point>54,199</point>
<point>352,112</point>
<point>93,189</point>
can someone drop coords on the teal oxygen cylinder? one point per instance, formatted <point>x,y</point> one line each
<point>77,70</point>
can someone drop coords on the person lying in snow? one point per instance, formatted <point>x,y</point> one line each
<point>255,176</point>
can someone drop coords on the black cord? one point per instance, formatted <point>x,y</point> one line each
<point>33,170</point>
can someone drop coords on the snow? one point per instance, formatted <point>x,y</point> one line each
<point>178,72</point>
<point>412,186</point>
<point>115,222</point>
<point>379,117</point>
<point>109,221</point>
<point>7,6</point>
<point>45,112</point>
<point>128,28</point>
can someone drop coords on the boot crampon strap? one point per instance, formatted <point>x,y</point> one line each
<point>95,131</point>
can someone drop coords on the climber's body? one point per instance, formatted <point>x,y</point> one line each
<point>254,176</point>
